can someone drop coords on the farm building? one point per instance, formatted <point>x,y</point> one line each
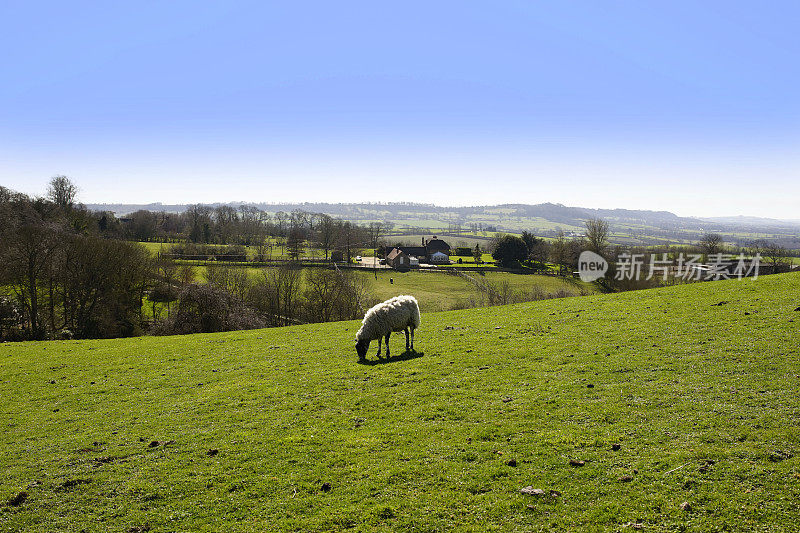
<point>434,250</point>
<point>436,245</point>
<point>398,259</point>
<point>439,257</point>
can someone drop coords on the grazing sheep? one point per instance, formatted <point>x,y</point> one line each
<point>400,313</point>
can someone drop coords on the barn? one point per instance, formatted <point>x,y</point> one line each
<point>398,259</point>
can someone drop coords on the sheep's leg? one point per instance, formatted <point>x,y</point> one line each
<point>406,332</point>
<point>412,338</point>
<point>380,339</point>
<point>387,344</point>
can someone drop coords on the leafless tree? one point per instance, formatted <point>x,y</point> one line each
<point>61,191</point>
<point>232,279</point>
<point>597,235</point>
<point>772,253</point>
<point>559,252</point>
<point>710,244</point>
<point>326,233</point>
<point>277,295</point>
<point>295,242</point>
<point>27,255</point>
<point>322,293</point>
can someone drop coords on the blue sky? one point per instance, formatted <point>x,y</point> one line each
<point>690,107</point>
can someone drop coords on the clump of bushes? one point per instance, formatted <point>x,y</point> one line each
<point>207,308</point>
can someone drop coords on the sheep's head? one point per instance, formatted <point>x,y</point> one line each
<point>361,348</point>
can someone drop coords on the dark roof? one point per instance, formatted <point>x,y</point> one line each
<point>416,251</point>
<point>437,245</point>
<point>393,254</point>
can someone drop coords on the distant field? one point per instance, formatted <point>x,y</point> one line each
<point>437,291</point>
<point>549,284</point>
<point>672,409</point>
<point>156,247</point>
<point>275,252</point>
<point>441,292</point>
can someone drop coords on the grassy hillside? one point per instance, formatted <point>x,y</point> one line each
<point>439,292</point>
<point>282,429</point>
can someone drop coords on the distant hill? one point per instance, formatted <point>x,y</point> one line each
<point>752,221</point>
<point>548,211</point>
<point>124,209</point>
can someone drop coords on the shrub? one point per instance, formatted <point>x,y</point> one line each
<point>208,309</point>
<point>510,250</point>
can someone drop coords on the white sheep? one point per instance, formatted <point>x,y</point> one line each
<point>400,313</point>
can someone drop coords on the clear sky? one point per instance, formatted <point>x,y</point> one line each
<point>686,106</point>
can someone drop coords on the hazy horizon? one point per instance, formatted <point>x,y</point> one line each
<point>684,107</point>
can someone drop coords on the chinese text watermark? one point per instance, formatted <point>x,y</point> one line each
<point>635,266</point>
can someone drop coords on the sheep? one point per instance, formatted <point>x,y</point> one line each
<point>400,313</point>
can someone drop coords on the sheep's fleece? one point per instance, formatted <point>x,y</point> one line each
<point>395,314</point>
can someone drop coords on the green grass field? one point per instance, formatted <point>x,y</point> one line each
<point>437,291</point>
<point>275,252</point>
<point>283,430</point>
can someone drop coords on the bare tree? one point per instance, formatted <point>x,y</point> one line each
<point>559,252</point>
<point>322,294</point>
<point>61,191</point>
<point>347,232</point>
<point>597,235</point>
<point>374,231</point>
<point>227,220</point>
<point>251,225</point>
<point>199,220</point>
<point>143,225</point>
<point>277,296</point>
<point>326,233</point>
<point>773,254</point>
<point>233,280</point>
<point>710,244</point>
<point>295,242</point>
<point>27,257</point>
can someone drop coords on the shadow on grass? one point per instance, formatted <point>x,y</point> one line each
<point>405,356</point>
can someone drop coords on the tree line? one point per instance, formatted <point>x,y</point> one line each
<point>69,272</point>
<point>58,275</point>
<point>246,225</point>
<point>527,250</point>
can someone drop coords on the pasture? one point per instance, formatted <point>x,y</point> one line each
<point>438,291</point>
<point>663,410</point>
